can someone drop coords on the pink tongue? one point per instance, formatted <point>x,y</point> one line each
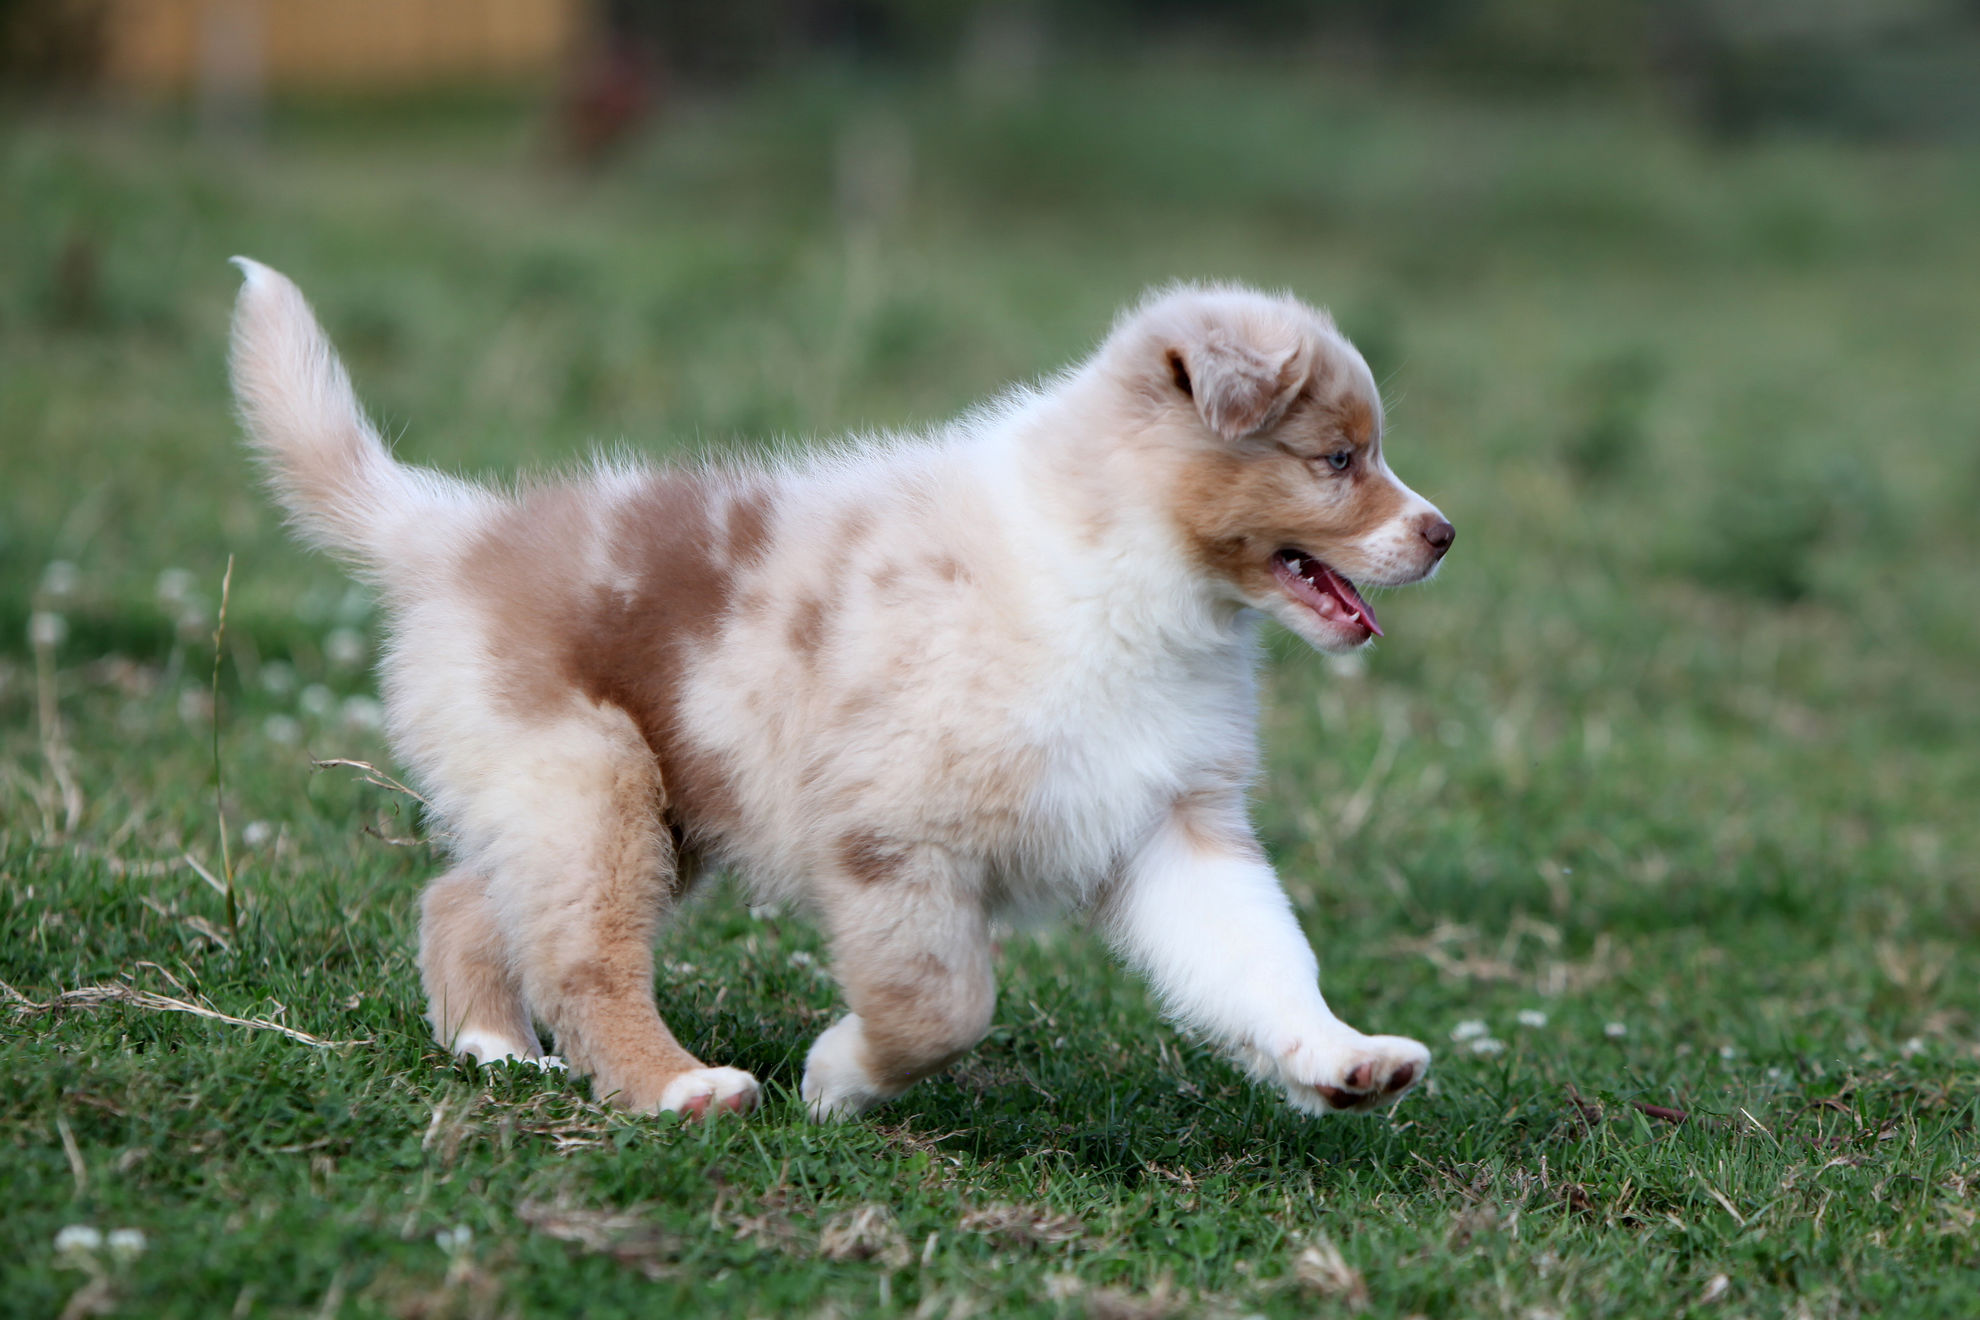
<point>1345,593</point>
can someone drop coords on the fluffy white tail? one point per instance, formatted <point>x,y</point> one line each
<point>328,467</point>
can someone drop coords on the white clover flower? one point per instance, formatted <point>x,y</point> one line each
<point>345,648</point>
<point>801,958</point>
<point>1615,1031</point>
<point>278,678</point>
<point>192,624</point>
<point>127,1242</point>
<point>317,700</point>
<point>47,629</point>
<point>1532,1017</point>
<point>60,579</point>
<point>454,1240</point>
<point>175,586</point>
<point>1914,1047</point>
<point>195,705</point>
<point>256,833</point>
<point>282,729</point>
<point>363,713</point>
<point>1728,1052</point>
<point>1470,1029</point>
<point>1487,1045</point>
<point>76,1239</point>
<point>1776,1074</point>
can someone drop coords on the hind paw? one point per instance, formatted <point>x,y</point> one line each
<point>699,1092</point>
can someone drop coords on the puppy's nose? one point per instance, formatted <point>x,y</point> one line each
<point>1437,532</point>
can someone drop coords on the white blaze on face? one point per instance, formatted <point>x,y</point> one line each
<point>1397,551</point>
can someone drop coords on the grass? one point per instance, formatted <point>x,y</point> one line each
<point>1678,752</point>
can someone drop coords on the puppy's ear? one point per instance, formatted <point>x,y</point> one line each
<point>1239,388</point>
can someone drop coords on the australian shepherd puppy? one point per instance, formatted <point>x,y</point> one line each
<point>906,685</point>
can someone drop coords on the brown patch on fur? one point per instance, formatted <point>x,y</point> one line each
<point>949,569</point>
<point>1377,500</point>
<point>526,570</point>
<point>1356,418</point>
<point>749,526</point>
<point>855,527</point>
<point>868,858</point>
<point>859,701</point>
<point>807,628</point>
<point>632,651</point>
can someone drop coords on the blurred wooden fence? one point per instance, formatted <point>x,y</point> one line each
<point>251,45</point>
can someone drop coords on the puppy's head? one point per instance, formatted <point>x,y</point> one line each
<point>1265,427</point>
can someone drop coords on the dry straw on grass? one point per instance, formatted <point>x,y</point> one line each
<point>867,1232</point>
<point>96,996</point>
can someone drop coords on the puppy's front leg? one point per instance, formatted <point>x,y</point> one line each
<point>911,948</point>
<point>1200,912</point>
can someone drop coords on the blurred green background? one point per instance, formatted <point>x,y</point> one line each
<point>1677,310</point>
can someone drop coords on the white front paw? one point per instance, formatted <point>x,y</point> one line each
<point>1350,1074</point>
<point>836,1084</point>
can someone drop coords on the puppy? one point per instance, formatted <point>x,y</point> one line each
<point>907,685</point>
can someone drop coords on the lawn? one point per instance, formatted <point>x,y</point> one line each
<point>1653,815</point>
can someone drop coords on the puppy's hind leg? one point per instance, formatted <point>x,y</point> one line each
<point>473,997</point>
<point>583,872</point>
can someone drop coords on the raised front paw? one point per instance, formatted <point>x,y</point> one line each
<point>1360,1074</point>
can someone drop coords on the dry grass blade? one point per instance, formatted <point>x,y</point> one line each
<point>867,1232</point>
<point>97,1297</point>
<point>1022,1225</point>
<point>372,775</point>
<point>199,869</point>
<point>1157,1303</point>
<point>624,1235</point>
<point>95,996</point>
<point>1320,1268</point>
<point>219,784</point>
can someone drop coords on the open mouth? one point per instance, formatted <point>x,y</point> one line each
<point>1324,591</point>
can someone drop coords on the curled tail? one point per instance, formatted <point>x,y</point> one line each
<point>325,461</point>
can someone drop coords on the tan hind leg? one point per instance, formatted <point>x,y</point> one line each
<point>473,997</point>
<point>581,880</point>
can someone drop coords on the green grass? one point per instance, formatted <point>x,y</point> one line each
<point>1683,739</point>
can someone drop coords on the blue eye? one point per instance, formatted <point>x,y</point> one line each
<point>1339,459</point>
